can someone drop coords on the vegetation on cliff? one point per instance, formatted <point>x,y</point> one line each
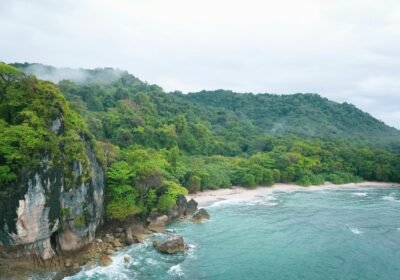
<point>37,124</point>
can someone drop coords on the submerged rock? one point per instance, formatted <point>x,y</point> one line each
<point>200,216</point>
<point>171,245</point>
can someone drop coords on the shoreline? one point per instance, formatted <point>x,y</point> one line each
<point>208,197</point>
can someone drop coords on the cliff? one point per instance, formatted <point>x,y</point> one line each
<point>51,183</point>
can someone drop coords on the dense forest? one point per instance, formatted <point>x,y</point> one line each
<point>155,145</point>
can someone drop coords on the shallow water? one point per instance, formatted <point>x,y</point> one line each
<point>324,234</point>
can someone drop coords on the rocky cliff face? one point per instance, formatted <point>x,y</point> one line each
<point>43,217</point>
<point>51,183</point>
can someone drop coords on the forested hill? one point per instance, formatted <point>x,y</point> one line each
<point>155,145</point>
<point>245,117</point>
<point>305,115</point>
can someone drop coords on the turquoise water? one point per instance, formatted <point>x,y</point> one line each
<point>324,234</point>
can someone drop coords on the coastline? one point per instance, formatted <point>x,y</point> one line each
<point>208,197</point>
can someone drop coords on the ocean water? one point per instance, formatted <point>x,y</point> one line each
<point>321,234</point>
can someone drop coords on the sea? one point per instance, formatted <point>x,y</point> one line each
<point>343,233</point>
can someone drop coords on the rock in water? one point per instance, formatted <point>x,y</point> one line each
<point>127,259</point>
<point>191,207</point>
<point>171,245</point>
<point>105,260</point>
<point>200,216</point>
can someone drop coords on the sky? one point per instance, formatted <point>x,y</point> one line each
<point>345,50</point>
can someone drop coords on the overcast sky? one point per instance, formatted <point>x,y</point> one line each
<point>346,50</point>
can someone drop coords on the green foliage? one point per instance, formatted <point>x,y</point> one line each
<point>168,199</point>
<point>193,184</point>
<point>65,212</point>
<point>139,183</point>
<point>28,110</point>
<point>80,220</point>
<point>121,196</point>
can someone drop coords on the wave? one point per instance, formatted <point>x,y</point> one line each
<point>268,200</point>
<point>176,270</point>
<point>356,231</point>
<point>390,197</point>
<point>360,194</point>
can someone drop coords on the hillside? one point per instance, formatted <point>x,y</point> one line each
<point>235,122</point>
<point>305,115</point>
<point>154,145</point>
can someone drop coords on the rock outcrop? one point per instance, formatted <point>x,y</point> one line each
<point>191,207</point>
<point>42,217</point>
<point>171,245</point>
<point>157,222</point>
<point>200,216</point>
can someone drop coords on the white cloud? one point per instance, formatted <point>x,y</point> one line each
<point>346,50</point>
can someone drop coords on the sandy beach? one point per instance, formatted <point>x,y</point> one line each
<point>205,198</point>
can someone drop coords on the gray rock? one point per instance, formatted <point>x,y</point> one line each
<point>200,216</point>
<point>171,245</point>
<point>31,217</point>
<point>191,207</point>
<point>128,236</point>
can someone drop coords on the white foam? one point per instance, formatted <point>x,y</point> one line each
<point>176,270</point>
<point>360,194</point>
<point>271,197</point>
<point>356,231</point>
<point>390,197</point>
<point>151,261</point>
<point>232,201</point>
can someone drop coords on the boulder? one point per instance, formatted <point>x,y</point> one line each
<point>139,236</point>
<point>75,266</point>
<point>191,207</point>
<point>128,236</point>
<point>105,260</point>
<point>110,251</point>
<point>68,262</point>
<point>127,259</point>
<point>116,243</point>
<point>157,222</point>
<point>171,245</point>
<point>200,216</point>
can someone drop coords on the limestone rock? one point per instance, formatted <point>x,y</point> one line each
<point>171,245</point>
